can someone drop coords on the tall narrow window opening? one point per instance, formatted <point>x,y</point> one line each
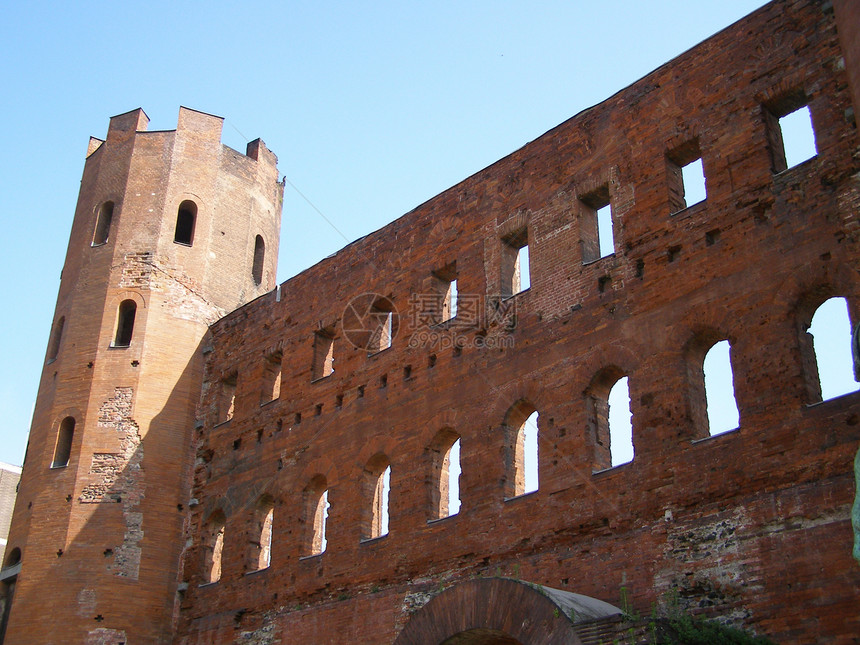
<point>831,336</point>
<point>444,482</point>
<point>597,239</point>
<point>260,544</point>
<point>686,176</point>
<point>620,427</point>
<point>382,322</point>
<point>443,297</point>
<point>316,516</point>
<point>719,389</point>
<point>63,448</point>
<point>608,419</point>
<point>271,377</point>
<point>376,488</point>
<point>521,450</point>
<point>259,258</point>
<point>56,337</point>
<point>125,323</point>
<point>213,546</point>
<point>227,397</point>
<point>789,130</point>
<point>186,219</point>
<point>516,269</point>
<point>104,217</point>
<point>323,364</point>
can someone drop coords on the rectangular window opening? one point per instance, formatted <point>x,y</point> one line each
<point>323,361</point>
<point>516,274</point>
<point>685,176</point>
<point>798,137</point>
<point>596,224</point>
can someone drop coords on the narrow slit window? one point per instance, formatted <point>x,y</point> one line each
<point>831,337</point>
<point>186,219</point>
<point>439,303</point>
<point>719,389</point>
<point>382,324</point>
<point>56,338</point>
<point>516,268</point>
<point>259,258</point>
<point>453,459</point>
<point>101,234</point>
<point>530,454</point>
<point>63,449</point>
<point>125,323</point>
<point>596,223</point>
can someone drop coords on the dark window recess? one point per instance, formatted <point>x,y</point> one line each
<point>125,323</point>
<point>64,443</point>
<point>185,221</point>
<point>259,257</point>
<point>103,222</point>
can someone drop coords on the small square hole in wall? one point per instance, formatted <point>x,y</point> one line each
<point>338,402</point>
<point>361,391</point>
<point>712,237</point>
<point>407,372</point>
<point>383,381</point>
<point>431,360</point>
<point>298,418</point>
<point>458,351</point>
<point>318,409</point>
<point>603,282</point>
<point>673,253</point>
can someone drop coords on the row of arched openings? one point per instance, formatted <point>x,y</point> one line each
<point>609,425</point>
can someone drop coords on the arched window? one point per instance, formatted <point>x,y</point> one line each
<point>213,546</point>
<point>186,218</point>
<point>103,222</point>
<point>56,337</point>
<point>830,329</point>
<point>260,545</point>
<point>376,485</point>
<point>444,484</point>
<point>620,426</point>
<point>608,420</point>
<point>125,323</point>
<point>271,377</point>
<point>63,448</point>
<point>315,516</point>
<point>521,449</point>
<point>259,257</point>
<point>720,389</point>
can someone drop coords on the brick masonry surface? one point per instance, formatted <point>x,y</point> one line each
<point>192,515</point>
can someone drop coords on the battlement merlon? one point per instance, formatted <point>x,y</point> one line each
<point>205,128</point>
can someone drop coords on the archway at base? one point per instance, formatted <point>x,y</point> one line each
<point>499,611</point>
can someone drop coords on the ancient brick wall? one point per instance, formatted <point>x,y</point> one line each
<point>751,525</point>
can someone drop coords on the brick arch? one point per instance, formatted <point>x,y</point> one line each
<point>503,610</point>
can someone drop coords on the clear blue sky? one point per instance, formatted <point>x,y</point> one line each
<point>372,109</point>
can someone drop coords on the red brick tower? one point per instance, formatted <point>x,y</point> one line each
<point>171,231</point>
